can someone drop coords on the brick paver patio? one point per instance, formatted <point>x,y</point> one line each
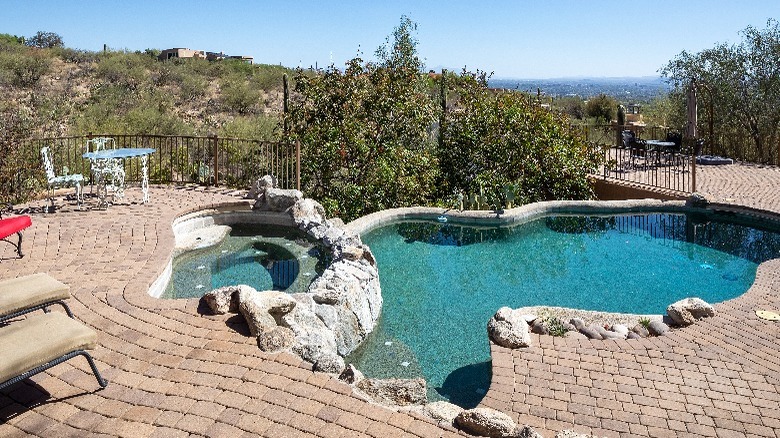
<point>177,371</point>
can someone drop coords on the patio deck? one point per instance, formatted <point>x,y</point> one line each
<point>174,371</point>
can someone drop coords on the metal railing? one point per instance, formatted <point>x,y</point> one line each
<point>213,160</point>
<point>664,169</point>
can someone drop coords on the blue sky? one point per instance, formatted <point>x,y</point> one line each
<point>513,39</point>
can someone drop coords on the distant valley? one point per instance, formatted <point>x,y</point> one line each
<point>626,89</point>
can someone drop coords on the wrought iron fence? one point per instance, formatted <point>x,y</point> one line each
<point>231,162</point>
<point>669,169</point>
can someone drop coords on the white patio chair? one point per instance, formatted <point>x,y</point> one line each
<point>56,182</point>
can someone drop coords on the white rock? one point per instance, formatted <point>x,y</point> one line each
<point>507,328</point>
<point>485,422</point>
<point>263,310</point>
<point>689,310</point>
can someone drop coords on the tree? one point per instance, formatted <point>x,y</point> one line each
<point>602,107</point>
<point>7,38</point>
<point>400,54</point>
<point>505,146</point>
<point>743,82</point>
<point>572,106</point>
<point>365,131</point>
<point>45,40</point>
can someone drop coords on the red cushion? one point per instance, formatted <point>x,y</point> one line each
<point>13,225</point>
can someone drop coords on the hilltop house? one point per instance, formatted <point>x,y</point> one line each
<point>181,53</point>
<point>202,54</point>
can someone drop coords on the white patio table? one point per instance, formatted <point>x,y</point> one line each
<point>122,153</point>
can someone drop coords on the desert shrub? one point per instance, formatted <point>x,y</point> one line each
<point>23,69</point>
<point>18,167</point>
<point>238,95</point>
<point>8,39</point>
<point>124,69</point>
<point>506,147</point>
<point>75,56</point>
<point>256,127</point>
<point>192,87</point>
<point>153,120</point>
<point>268,77</point>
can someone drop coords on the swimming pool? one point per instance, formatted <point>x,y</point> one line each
<point>441,282</point>
<point>264,256</point>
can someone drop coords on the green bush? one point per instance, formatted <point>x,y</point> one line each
<point>238,95</point>
<point>505,147</point>
<point>602,107</point>
<point>257,127</point>
<point>125,69</point>
<point>365,139</point>
<point>268,77</point>
<point>8,39</point>
<point>23,69</point>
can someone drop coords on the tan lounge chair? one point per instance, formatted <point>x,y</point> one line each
<point>32,292</point>
<point>40,342</point>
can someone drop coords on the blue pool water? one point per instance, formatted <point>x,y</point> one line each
<point>442,282</point>
<point>266,257</point>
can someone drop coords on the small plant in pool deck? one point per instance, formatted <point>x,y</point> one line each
<point>644,322</point>
<point>555,326</point>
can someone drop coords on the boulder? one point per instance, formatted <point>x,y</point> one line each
<point>257,190</point>
<point>225,299</point>
<point>607,334</point>
<point>485,422</point>
<point>281,199</point>
<point>443,412</point>
<point>620,328</point>
<point>344,325</point>
<point>641,330</point>
<point>351,375</point>
<point>591,332</point>
<point>577,323</point>
<point>507,328</point>
<point>395,392</point>
<point>689,310</point>
<point>326,296</point>
<point>312,338</point>
<point>657,328</point>
<point>308,213</point>
<point>633,335</point>
<point>329,363</point>
<point>264,309</point>
<point>275,339</point>
<point>529,317</point>
<point>539,327</point>
<point>525,431</point>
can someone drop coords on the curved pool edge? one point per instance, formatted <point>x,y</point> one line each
<point>513,216</point>
<point>503,359</point>
<point>188,224</point>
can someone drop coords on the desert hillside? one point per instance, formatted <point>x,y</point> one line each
<point>60,92</point>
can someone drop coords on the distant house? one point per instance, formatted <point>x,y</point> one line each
<point>201,54</point>
<point>247,59</point>
<point>219,56</point>
<point>181,53</point>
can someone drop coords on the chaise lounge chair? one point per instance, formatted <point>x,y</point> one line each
<point>39,342</point>
<point>19,296</point>
<point>14,225</point>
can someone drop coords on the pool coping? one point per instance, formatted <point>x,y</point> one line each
<point>529,212</point>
